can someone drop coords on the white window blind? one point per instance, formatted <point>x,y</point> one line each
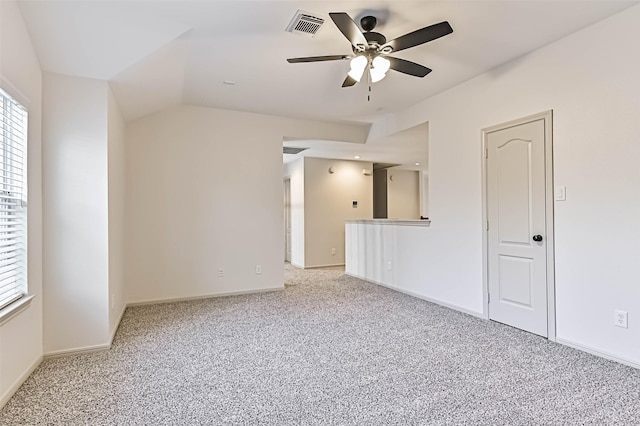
<point>13,211</point>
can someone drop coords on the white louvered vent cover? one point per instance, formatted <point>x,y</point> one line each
<point>292,150</point>
<point>305,23</point>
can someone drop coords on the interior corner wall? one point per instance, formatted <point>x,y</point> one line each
<point>590,81</point>
<point>75,200</point>
<point>403,198</point>
<point>295,172</point>
<point>116,194</point>
<point>328,199</point>
<point>424,194</point>
<point>21,77</point>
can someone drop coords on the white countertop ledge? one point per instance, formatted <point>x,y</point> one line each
<point>397,222</point>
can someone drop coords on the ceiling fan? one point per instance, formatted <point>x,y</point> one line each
<point>371,49</point>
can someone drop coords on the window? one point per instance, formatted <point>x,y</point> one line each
<point>13,197</point>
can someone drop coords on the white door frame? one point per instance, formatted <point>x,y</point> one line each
<point>287,217</point>
<point>547,116</point>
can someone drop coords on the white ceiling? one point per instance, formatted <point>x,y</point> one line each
<point>157,54</point>
<point>405,149</point>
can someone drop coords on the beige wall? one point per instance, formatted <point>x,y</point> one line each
<point>403,194</point>
<point>20,76</point>
<point>397,194</point>
<point>328,203</point>
<point>204,192</point>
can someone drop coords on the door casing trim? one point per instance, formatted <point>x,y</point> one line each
<point>547,117</point>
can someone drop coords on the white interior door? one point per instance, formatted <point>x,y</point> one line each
<point>287,220</point>
<point>516,213</point>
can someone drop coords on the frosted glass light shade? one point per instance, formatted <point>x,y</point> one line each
<point>379,68</point>
<point>358,64</point>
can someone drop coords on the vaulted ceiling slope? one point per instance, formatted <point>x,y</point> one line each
<point>161,53</point>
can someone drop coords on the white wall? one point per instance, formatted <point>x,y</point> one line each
<point>295,171</point>
<point>383,252</point>
<point>328,203</point>
<point>75,197</point>
<point>20,75</point>
<point>116,195</point>
<point>590,80</point>
<point>403,194</point>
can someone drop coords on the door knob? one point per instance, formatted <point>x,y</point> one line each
<point>537,238</point>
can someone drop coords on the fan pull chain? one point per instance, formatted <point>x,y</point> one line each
<point>369,94</point>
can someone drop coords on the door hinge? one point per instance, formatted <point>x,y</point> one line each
<point>488,297</point>
<point>487,225</point>
<point>486,153</point>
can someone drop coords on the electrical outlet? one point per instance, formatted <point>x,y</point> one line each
<point>333,252</point>
<point>221,272</point>
<point>388,265</point>
<point>620,318</point>
<point>258,269</point>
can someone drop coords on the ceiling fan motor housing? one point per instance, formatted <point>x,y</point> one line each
<point>375,39</point>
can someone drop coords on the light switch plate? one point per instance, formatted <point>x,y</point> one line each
<point>561,193</point>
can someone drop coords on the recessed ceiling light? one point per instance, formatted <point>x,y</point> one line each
<point>229,82</point>
<point>417,164</point>
<point>357,157</point>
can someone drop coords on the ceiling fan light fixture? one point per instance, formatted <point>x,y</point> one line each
<point>379,68</point>
<point>358,65</point>
<point>371,49</point>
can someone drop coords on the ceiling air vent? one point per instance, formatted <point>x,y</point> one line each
<point>292,150</point>
<point>305,24</point>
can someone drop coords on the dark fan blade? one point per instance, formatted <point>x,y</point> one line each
<point>349,28</point>
<point>408,67</point>
<point>348,82</point>
<point>318,58</point>
<point>420,36</point>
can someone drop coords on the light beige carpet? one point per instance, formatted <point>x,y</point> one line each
<point>328,350</point>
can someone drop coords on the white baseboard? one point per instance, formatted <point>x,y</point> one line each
<point>323,266</point>
<point>16,385</point>
<point>107,346</point>
<point>420,296</point>
<point>77,351</point>
<point>597,352</point>
<point>561,341</point>
<point>115,329</point>
<point>88,349</point>
<point>205,296</point>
